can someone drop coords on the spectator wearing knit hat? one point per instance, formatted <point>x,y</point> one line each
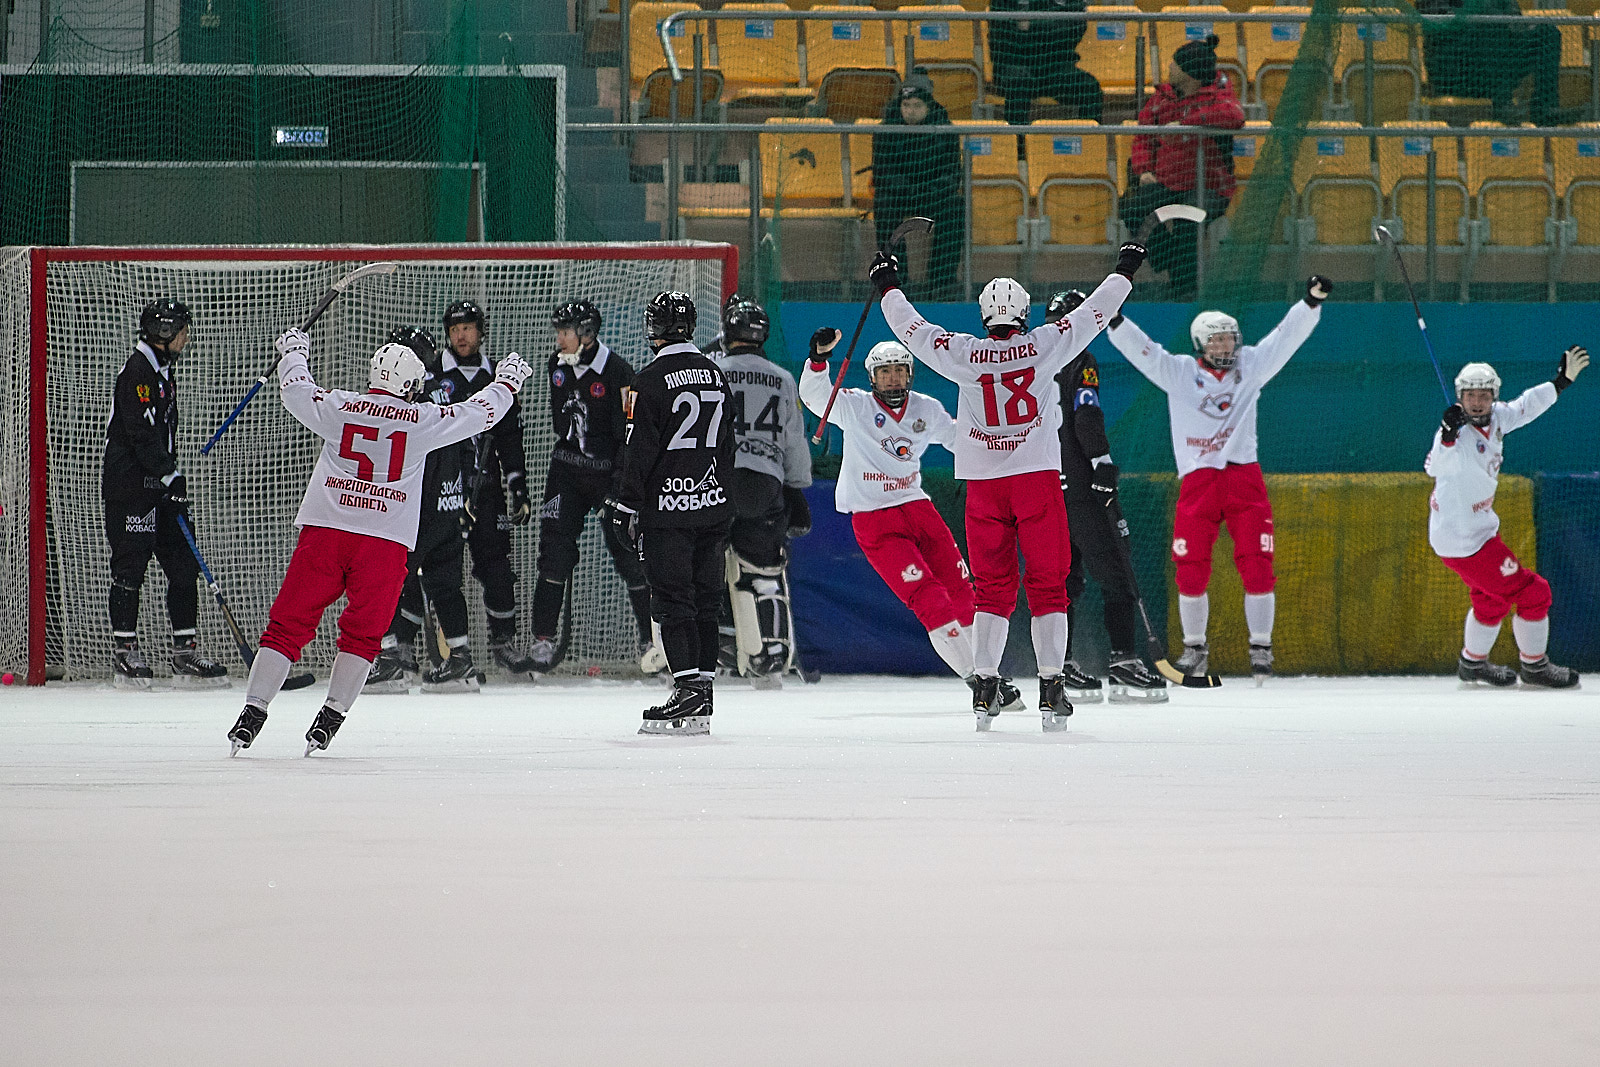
<point>921,175</point>
<point>1040,58</point>
<point>1164,167</point>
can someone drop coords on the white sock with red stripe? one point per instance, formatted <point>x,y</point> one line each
<point>1533,638</point>
<point>988,642</point>
<point>1050,642</point>
<point>954,645</point>
<point>1480,638</point>
<point>1260,609</point>
<point>1194,612</point>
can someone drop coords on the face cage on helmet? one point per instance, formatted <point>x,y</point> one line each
<point>1229,361</point>
<point>892,397</point>
<point>1483,420</point>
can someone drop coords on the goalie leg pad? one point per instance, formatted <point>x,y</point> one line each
<point>762,619</point>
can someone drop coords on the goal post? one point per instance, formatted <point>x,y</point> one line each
<point>69,319</point>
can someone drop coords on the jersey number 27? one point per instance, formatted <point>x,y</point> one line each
<point>1020,406</point>
<point>681,437</point>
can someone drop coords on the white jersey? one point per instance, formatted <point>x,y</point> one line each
<point>1461,516</point>
<point>1008,416</point>
<point>368,479</point>
<point>1213,415</point>
<point>882,465</point>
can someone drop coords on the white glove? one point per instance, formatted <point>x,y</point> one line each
<point>1574,360</point>
<point>294,342</point>
<point>512,372</point>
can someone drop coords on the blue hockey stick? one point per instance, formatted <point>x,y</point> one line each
<point>1386,239</point>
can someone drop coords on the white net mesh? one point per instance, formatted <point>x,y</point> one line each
<point>246,491</point>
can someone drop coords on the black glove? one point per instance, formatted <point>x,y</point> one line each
<point>884,272</point>
<point>823,341</point>
<point>1116,320</point>
<point>1450,425</point>
<point>1103,480</point>
<point>625,521</point>
<point>1129,258</point>
<point>1573,360</point>
<point>799,511</point>
<point>1317,289</point>
<point>520,508</point>
<point>176,493</point>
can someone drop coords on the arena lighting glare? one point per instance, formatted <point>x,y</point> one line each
<point>300,136</point>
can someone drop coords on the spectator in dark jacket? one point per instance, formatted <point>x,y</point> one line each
<point>1034,59</point>
<point>1164,168</point>
<point>921,175</point>
<point>1492,59</point>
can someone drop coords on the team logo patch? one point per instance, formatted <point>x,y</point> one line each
<point>1217,405</point>
<point>878,420</point>
<point>627,402</point>
<point>446,390</point>
<point>1180,546</point>
<point>1087,397</point>
<point>141,524</point>
<point>559,378</point>
<point>1482,448</point>
<point>919,426</point>
<point>912,573</point>
<point>143,392</point>
<point>597,390</point>
<point>898,447</point>
<point>1091,376</point>
<point>943,341</point>
<point>552,508</point>
<point>1509,567</point>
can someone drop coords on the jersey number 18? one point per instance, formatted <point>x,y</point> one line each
<point>1020,406</point>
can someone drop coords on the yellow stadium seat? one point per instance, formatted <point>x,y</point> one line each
<point>655,96</point>
<point>850,93</point>
<point>860,146</point>
<point>958,86</point>
<point>1403,176</point>
<point>1270,48</point>
<point>807,169</point>
<point>935,39</point>
<point>760,57</point>
<point>1397,85</point>
<point>1108,47</point>
<point>1338,195</point>
<point>1207,19</point>
<point>1505,174</point>
<point>1070,177</point>
<point>1577,182</point>
<point>1248,144</point>
<point>999,199</point>
<point>846,42</point>
<point>644,40</point>
<point>1572,36</point>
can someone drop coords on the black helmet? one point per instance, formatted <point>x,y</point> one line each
<point>463,311</point>
<point>1064,304</point>
<point>419,341</point>
<point>670,318</point>
<point>162,320</point>
<point>580,316</point>
<point>745,322</point>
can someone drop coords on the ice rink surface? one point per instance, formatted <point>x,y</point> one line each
<point>1357,871</point>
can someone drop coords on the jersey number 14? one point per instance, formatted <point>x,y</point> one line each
<point>1019,404</point>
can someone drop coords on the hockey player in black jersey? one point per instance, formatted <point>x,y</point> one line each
<point>144,493</point>
<point>589,385</point>
<point>1089,480</point>
<point>674,504</point>
<point>771,466</point>
<point>434,566</point>
<point>499,464</point>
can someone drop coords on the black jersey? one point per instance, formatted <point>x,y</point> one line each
<point>142,433</point>
<point>1083,425</point>
<point>444,489</point>
<point>500,449</point>
<point>679,445</point>
<point>586,408</point>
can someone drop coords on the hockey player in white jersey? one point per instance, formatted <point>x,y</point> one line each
<point>359,517</point>
<point>1464,530</point>
<point>1211,401</point>
<point>1007,449</point>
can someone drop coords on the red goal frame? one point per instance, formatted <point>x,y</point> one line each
<point>38,361</point>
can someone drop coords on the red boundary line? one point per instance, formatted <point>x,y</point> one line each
<point>38,407</point>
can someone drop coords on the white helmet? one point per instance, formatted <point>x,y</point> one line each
<point>1209,324</point>
<point>890,354</point>
<point>1004,302</point>
<point>396,370</point>
<point>1478,376</point>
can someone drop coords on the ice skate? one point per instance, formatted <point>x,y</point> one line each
<point>1195,661</point>
<point>193,669</point>
<point>524,667</point>
<point>1054,707</point>
<point>322,730</point>
<point>1008,697</point>
<point>986,699</point>
<point>129,669</point>
<point>1081,685</point>
<point>388,674</point>
<point>1475,672</point>
<point>686,713</point>
<point>1543,674</point>
<point>249,724</point>
<point>1134,683</point>
<point>1261,663</point>
<point>454,675</point>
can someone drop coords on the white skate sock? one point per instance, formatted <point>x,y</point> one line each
<point>1480,638</point>
<point>1260,609</point>
<point>988,642</point>
<point>954,645</point>
<point>344,684</point>
<point>266,677</point>
<point>1050,642</point>
<point>1194,612</point>
<point>1532,637</point>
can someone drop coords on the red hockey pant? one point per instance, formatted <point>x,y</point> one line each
<point>1026,511</point>
<point>327,564</point>
<point>1498,580</point>
<point>1235,494</point>
<point>912,550</point>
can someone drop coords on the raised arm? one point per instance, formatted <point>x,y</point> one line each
<point>1069,335</point>
<point>940,349</point>
<point>1273,351</point>
<point>1148,357</point>
<point>1536,401</point>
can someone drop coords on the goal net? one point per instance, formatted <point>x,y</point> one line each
<point>70,320</point>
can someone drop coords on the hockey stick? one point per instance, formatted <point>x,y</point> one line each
<point>915,224</point>
<point>1167,213</point>
<point>248,654</point>
<point>1119,530</point>
<point>370,270</point>
<point>1386,239</point>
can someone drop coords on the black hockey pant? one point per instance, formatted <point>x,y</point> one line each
<point>433,569</point>
<point>1095,549</point>
<point>685,568</point>
<point>137,529</point>
<point>570,493</point>
<point>761,518</point>
<point>490,542</point>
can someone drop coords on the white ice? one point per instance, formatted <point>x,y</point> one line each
<point>1362,871</point>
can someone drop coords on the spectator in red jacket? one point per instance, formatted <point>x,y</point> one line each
<point>1163,168</point>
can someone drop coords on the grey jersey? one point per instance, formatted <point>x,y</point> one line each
<point>769,434</point>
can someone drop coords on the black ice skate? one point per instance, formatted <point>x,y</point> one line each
<point>192,669</point>
<point>454,675</point>
<point>1054,707</point>
<point>1546,675</point>
<point>1081,685</point>
<point>1134,683</point>
<point>1008,697</point>
<point>388,674</point>
<point>686,713</point>
<point>322,731</point>
<point>128,667</point>
<point>520,665</point>
<point>1474,672</point>
<point>251,720</point>
<point>1195,661</point>
<point>1260,663</point>
<point>985,699</point>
